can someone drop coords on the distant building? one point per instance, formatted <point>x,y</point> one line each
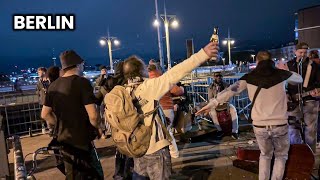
<point>307,26</point>
<point>285,52</point>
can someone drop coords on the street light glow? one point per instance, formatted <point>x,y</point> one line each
<point>224,42</point>
<point>232,41</point>
<point>156,23</point>
<point>102,42</point>
<point>175,23</point>
<point>116,42</point>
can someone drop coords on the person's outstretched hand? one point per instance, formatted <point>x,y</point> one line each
<point>205,110</point>
<point>282,65</point>
<point>212,49</point>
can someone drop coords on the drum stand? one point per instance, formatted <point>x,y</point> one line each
<point>301,104</point>
<point>200,119</point>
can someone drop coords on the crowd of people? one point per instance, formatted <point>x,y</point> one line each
<point>75,114</point>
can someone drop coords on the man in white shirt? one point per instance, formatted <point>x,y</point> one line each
<point>269,111</point>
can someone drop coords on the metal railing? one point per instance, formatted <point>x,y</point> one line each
<point>197,90</point>
<point>21,113</point>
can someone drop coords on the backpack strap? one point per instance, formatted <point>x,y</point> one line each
<point>254,100</point>
<point>151,112</point>
<point>163,127</point>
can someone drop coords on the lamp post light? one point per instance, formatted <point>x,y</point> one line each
<point>169,21</point>
<point>108,40</point>
<point>229,41</point>
<point>160,46</point>
<point>252,55</point>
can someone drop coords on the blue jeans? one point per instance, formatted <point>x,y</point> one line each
<point>156,166</point>
<point>272,140</point>
<point>310,111</point>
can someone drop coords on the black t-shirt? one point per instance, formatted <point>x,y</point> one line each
<point>67,96</point>
<point>108,85</point>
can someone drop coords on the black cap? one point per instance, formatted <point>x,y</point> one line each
<point>70,58</point>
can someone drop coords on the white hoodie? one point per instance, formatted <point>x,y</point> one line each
<point>153,89</point>
<point>270,107</point>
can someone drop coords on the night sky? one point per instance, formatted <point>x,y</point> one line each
<point>254,24</point>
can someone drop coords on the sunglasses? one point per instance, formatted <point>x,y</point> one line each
<point>218,76</point>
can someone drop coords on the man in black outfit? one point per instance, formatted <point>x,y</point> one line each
<point>103,75</point>
<point>311,80</point>
<point>70,105</point>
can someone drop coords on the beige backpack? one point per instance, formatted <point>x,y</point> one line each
<point>129,133</point>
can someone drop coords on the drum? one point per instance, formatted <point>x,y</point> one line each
<point>224,118</point>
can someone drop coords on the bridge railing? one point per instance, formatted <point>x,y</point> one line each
<point>197,90</point>
<point>21,113</point>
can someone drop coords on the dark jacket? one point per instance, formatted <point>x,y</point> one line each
<point>314,81</point>
<point>41,90</point>
<point>213,91</point>
<point>110,82</point>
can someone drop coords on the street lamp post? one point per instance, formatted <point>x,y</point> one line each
<point>223,60</point>
<point>108,41</point>
<point>166,26</point>
<point>253,57</point>
<point>159,36</point>
<point>229,41</point>
<point>169,21</point>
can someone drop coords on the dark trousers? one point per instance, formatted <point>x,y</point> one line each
<point>82,165</point>
<point>123,167</point>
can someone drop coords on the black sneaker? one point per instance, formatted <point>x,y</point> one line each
<point>235,135</point>
<point>220,134</point>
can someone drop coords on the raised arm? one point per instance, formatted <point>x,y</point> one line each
<point>161,85</point>
<point>224,96</point>
<point>295,79</point>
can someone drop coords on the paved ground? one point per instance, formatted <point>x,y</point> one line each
<point>209,159</point>
<point>212,159</point>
